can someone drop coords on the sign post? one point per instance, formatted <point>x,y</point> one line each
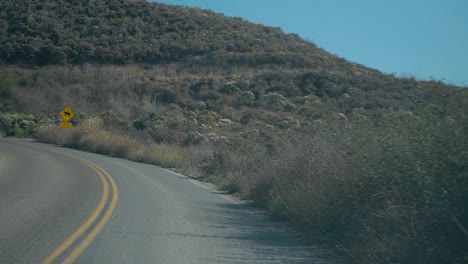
<point>66,114</point>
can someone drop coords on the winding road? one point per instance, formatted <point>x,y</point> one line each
<point>59,205</point>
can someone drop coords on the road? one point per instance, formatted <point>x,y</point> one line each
<point>61,205</point>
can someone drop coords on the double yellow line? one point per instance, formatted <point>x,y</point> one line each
<point>106,179</point>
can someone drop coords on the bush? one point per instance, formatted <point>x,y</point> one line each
<point>7,83</point>
<point>91,138</point>
<point>309,183</point>
<point>21,125</point>
<point>246,98</point>
<point>416,173</point>
<point>393,192</point>
<point>164,155</point>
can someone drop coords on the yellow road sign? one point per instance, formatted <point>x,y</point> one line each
<point>65,125</point>
<point>67,114</point>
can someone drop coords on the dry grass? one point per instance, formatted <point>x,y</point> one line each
<point>381,186</point>
<point>163,155</point>
<point>93,138</point>
<point>391,194</point>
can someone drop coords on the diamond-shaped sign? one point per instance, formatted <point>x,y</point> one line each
<point>67,114</point>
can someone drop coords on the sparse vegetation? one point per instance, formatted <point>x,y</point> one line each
<point>376,183</point>
<point>392,193</point>
<point>21,125</point>
<point>373,165</point>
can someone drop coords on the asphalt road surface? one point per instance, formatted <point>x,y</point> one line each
<point>60,205</point>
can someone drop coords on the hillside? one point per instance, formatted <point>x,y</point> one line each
<point>372,165</point>
<point>126,32</point>
<point>264,59</point>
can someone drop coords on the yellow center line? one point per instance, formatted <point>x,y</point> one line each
<point>86,241</point>
<point>103,175</point>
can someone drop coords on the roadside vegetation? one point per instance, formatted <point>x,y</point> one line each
<point>372,165</point>
<point>379,184</point>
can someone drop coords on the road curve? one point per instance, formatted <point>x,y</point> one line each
<point>47,194</point>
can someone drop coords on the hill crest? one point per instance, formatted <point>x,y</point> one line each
<point>37,33</point>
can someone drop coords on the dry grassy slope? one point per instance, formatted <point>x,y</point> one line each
<point>126,32</point>
<point>371,162</point>
<point>185,55</point>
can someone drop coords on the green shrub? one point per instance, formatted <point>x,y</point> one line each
<point>21,125</point>
<point>275,101</point>
<point>8,82</point>
<point>246,98</point>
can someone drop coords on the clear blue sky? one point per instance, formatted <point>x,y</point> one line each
<point>422,38</point>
